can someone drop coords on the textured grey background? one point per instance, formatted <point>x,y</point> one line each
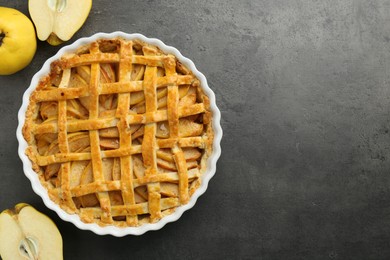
<point>303,87</point>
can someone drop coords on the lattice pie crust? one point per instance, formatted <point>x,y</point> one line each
<point>119,133</point>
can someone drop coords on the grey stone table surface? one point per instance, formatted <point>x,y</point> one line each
<point>304,92</point>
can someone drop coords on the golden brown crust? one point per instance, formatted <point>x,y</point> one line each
<point>119,133</point>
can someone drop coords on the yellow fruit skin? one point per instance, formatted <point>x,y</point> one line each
<point>19,44</point>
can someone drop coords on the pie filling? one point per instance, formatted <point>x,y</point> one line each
<point>119,133</point>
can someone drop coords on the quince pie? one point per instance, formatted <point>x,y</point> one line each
<point>119,132</point>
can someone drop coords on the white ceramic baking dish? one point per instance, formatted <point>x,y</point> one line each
<point>112,230</point>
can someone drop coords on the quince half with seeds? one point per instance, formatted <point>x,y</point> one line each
<point>56,21</point>
<point>25,233</point>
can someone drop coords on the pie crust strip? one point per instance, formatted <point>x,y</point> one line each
<point>102,123</point>
<point>64,145</point>
<point>149,144</point>
<point>173,120</point>
<point>125,67</point>
<point>109,88</point>
<point>135,149</point>
<point>97,167</point>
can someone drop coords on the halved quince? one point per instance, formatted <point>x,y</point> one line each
<point>25,233</point>
<point>58,20</point>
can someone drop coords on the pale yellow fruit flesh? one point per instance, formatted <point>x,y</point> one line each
<point>19,44</point>
<point>10,236</point>
<point>43,18</point>
<point>60,17</point>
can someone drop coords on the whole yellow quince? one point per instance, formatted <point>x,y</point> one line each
<point>17,41</point>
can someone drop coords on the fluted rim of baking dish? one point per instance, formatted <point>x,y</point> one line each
<point>74,218</point>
